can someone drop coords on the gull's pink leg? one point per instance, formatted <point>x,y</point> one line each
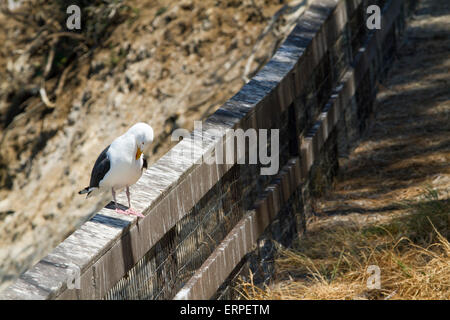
<point>130,210</point>
<point>118,210</point>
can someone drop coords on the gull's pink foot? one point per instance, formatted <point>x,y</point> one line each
<point>134,213</point>
<point>122,211</point>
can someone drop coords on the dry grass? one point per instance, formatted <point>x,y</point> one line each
<point>412,252</point>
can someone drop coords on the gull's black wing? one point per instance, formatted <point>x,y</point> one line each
<point>101,168</point>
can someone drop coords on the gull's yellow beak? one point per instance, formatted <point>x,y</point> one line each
<point>138,153</point>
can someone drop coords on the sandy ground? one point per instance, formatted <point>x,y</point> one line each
<point>168,64</point>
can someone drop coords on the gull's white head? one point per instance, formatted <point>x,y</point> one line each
<point>143,133</point>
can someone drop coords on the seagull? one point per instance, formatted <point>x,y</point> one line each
<point>121,164</point>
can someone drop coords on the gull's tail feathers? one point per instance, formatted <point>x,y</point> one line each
<point>89,190</point>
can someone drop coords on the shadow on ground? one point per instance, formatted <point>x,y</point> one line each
<point>407,146</point>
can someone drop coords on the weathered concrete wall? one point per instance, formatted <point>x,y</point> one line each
<point>207,223</point>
